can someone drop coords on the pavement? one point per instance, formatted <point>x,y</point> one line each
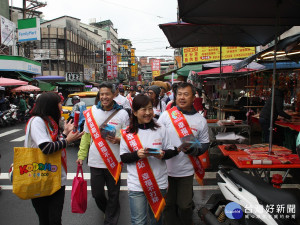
<point>14,211</point>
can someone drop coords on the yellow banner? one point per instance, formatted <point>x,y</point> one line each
<point>155,73</point>
<point>133,71</point>
<point>132,51</point>
<point>204,54</point>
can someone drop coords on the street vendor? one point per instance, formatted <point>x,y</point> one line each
<point>265,115</point>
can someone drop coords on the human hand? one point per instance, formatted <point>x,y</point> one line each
<point>160,156</point>
<point>142,153</point>
<point>68,127</point>
<point>113,140</point>
<point>73,136</point>
<point>79,161</point>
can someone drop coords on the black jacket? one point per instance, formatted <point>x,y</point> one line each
<point>278,107</point>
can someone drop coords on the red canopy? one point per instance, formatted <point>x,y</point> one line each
<point>225,69</point>
<point>26,88</point>
<point>11,82</point>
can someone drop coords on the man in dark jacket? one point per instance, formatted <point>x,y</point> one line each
<point>265,114</point>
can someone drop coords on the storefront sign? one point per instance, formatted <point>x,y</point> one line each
<point>18,63</point>
<point>108,60</point>
<point>7,31</point>
<point>132,61</point>
<point>204,54</point>
<point>155,67</point>
<point>29,30</point>
<point>74,77</point>
<point>115,65</point>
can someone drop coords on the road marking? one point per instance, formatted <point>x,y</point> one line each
<point>195,188</point>
<point>124,175</point>
<point>9,132</point>
<point>19,139</point>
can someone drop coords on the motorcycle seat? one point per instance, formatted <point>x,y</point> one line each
<point>264,191</point>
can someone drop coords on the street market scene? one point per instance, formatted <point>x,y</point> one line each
<point>132,113</point>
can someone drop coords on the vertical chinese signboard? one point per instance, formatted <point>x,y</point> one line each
<point>155,67</point>
<point>108,60</point>
<point>132,61</point>
<point>115,65</point>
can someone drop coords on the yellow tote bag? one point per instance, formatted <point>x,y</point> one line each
<point>35,174</point>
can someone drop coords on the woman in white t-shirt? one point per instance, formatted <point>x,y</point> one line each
<point>43,132</point>
<point>151,136</point>
<point>159,106</point>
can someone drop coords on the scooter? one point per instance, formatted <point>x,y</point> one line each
<point>260,203</point>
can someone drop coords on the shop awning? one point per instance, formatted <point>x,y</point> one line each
<point>184,71</point>
<point>69,83</point>
<point>24,77</point>
<point>45,86</point>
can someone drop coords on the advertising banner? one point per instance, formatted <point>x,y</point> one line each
<point>204,54</point>
<point>132,61</point>
<point>108,60</point>
<point>7,31</point>
<point>155,66</point>
<point>29,30</point>
<point>115,65</point>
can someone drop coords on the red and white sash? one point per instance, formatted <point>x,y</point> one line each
<point>183,129</point>
<point>105,152</point>
<point>53,130</point>
<point>130,99</point>
<point>146,176</point>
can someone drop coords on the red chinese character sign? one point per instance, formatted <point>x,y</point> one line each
<point>155,67</point>
<point>115,65</point>
<point>108,60</point>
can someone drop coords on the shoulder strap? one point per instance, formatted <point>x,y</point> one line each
<point>109,118</point>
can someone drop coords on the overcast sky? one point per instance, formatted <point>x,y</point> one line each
<point>136,20</point>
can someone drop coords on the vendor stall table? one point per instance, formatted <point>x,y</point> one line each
<point>225,111</point>
<point>239,156</point>
<point>214,128</point>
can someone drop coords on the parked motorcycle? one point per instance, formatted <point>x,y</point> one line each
<point>260,202</point>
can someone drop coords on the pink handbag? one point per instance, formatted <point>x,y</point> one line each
<point>79,193</point>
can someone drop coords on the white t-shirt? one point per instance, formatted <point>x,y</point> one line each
<point>39,134</point>
<point>119,121</point>
<point>180,165</point>
<point>123,101</point>
<point>157,110</point>
<point>149,139</point>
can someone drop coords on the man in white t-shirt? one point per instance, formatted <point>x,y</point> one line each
<point>100,174</point>
<point>121,100</point>
<point>179,199</point>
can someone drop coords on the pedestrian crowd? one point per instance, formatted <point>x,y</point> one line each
<point>145,131</point>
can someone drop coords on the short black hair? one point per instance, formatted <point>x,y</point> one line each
<point>138,102</point>
<point>184,85</point>
<point>108,85</point>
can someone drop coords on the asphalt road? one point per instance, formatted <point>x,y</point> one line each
<point>14,211</point>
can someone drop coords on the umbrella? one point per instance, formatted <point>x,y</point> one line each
<point>225,69</point>
<point>275,13</point>
<point>233,62</point>
<point>11,82</point>
<point>237,12</point>
<point>191,35</point>
<point>28,88</point>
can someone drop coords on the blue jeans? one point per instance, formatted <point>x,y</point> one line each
<point>139,207</point>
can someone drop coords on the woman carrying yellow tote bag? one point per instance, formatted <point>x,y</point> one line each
<point>40,168</point>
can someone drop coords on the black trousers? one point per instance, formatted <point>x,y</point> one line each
<point>111,206</point>
<point>49,208</point>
